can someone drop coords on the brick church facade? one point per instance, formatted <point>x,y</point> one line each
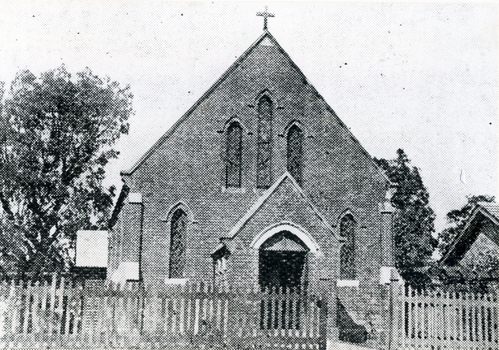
<point>258,183</point>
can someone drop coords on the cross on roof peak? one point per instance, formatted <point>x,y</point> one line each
<point>265,15</point>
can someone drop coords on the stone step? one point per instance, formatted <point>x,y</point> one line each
<point>347,346</point>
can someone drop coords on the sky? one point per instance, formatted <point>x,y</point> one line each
<point>421,77</point>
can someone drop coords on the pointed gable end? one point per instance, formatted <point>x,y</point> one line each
<point>265,40</point>
<point>288,186</point>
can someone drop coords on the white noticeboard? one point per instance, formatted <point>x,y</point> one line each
<point>91,248</point>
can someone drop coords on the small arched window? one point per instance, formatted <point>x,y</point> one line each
<point>264,157</point>
<point>347,251</point>
<point>233,155</point>
<point>178,232</point>
<point>295,153</point>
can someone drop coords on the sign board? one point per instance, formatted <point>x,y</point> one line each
<point>91,248</point>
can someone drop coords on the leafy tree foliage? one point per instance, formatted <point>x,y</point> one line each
<point>57,135</point>
<point>413,222</point>
<point>457,219</point>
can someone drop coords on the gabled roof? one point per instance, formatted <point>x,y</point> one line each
<point>265,36</point>
<point>266,195</point>
<point>483,211</point>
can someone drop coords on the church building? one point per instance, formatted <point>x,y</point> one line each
<point>259,183</point>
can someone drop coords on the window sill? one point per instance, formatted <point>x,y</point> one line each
<point>176,281</point>
<point>347,283</point>
<point>233,190</point>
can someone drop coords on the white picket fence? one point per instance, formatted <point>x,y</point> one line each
<point>59,314</point>
<point>437,318</point>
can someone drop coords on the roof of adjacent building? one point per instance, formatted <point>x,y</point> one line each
<point>491,208</point>
<point>483,212</point>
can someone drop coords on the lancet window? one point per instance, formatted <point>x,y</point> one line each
<point>295,153</point>
<point>264,174</point>
<point>178,232</point>
<point>233,155</point>
<point>347,251</point>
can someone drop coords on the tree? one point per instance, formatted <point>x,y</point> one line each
<point>457,219</point>
<point>413,221</point>
<point>57,134</point>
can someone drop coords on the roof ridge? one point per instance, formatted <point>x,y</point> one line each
<point>484,204</point>
<point>486,207</point>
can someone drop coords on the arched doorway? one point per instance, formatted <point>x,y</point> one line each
<point>282,268</point>
<point>282,263</point>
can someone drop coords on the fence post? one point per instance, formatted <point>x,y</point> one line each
<point>327,327</point>
<point>141,305</point>
<point>234,314</point>
<point>10,323</point>
<point>394,312</point>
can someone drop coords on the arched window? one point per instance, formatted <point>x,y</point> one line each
<point>233,153</point>
<point>295,153</point>
<point>178,230</point>
<point>264,176</point>
<point>347,251</point>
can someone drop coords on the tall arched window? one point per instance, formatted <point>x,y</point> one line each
<point>233,153</point>
<point>178,233</point>
<point>347,251</point>
<point>295,153</point>
<point>264,175</point>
